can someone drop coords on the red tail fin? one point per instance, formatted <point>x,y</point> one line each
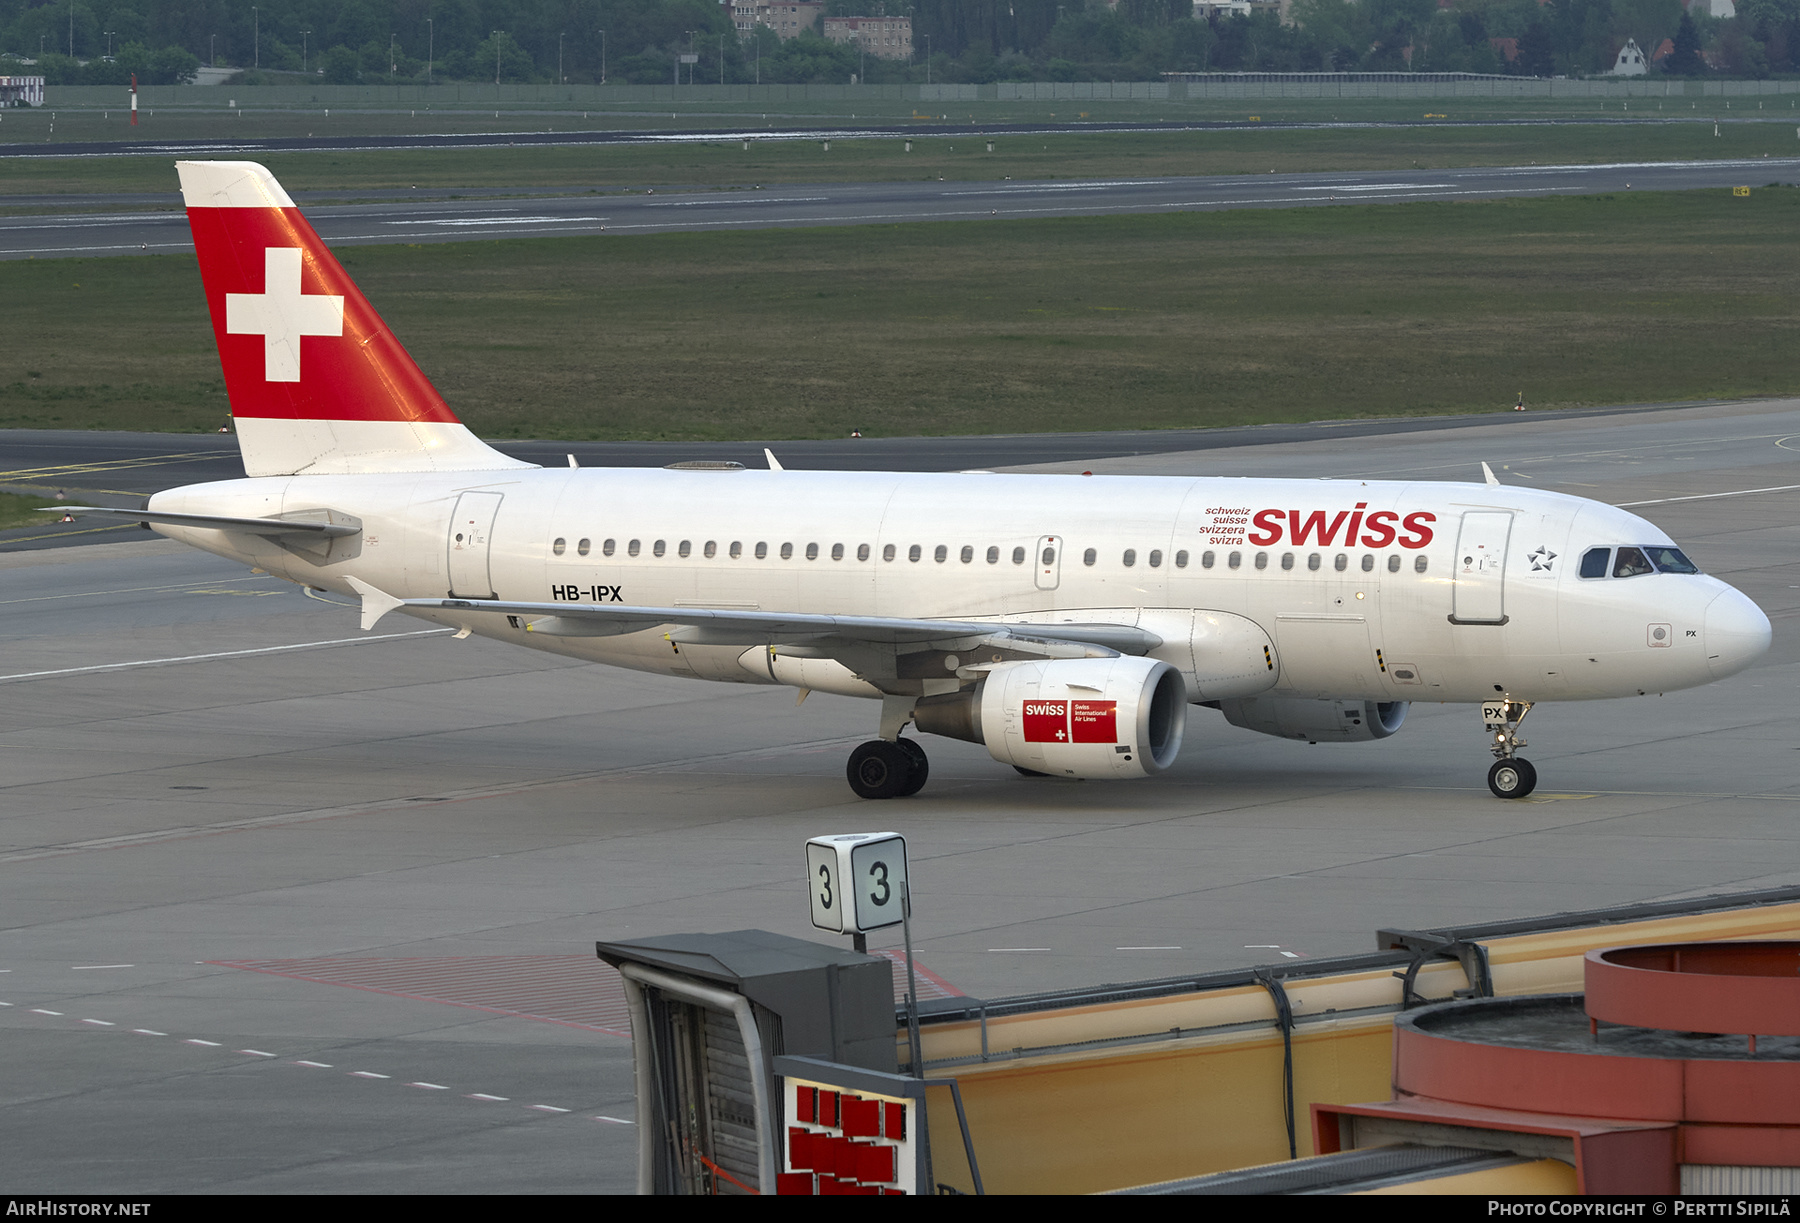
<point>316,380</point>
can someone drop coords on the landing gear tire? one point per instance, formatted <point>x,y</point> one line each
<point>1513,778</point>
<point>921,767</point>
<point>879,769</point>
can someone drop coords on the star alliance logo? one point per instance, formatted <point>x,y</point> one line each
<point>1541,560</point>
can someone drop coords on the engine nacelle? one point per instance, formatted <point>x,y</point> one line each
<point>1100,718</point>
<point>1316,721</point>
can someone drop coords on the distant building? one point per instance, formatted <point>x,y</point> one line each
<point>1630,61</point>
<point>887,37</point>
<point>21,91</point>
<point>787,20</point>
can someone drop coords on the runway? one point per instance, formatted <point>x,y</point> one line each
<point>80,233</point>
<point>286,908</point>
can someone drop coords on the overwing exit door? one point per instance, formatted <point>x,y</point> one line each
<point>471,528</point>
<point>1480,596</point>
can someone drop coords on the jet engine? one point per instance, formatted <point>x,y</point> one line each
<point>1100,718</point>
<point>1315,721</point>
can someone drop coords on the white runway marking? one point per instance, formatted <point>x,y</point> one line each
<point>1742,492</point>
<point>315,1065</point>
<point>478,1095</point>
<point>616,1120</point>
<point>429,1086</point>
<point>368,1074</point>
<point>104,1023</point>
<point>85,967</point>
<point>547,1108</point>
<point>148,1032</point>
<point>186,658</point>
<point>38,1010</point>
<point>194,1040</point>
<point>255,1053</point>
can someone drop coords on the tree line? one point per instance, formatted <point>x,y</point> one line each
<point>642,41</point>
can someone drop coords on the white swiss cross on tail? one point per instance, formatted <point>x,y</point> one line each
<point>281,314</point>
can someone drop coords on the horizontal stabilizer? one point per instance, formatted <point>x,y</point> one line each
<point>270,527</point>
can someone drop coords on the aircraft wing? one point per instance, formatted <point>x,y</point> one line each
<point>721,626</point>
<point>271,527</point>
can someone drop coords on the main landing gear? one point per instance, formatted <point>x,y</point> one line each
<point>1512,776</point>
<point>883,768</point>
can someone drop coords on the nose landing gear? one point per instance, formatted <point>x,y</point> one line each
<point>1512,776</point>
<point>883,768</point>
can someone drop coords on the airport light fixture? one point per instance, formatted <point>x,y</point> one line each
<point>603,57</point>
<point>430,46</point>
<point>496,37</point>
<point>303,34</point>
<point>255,37</point>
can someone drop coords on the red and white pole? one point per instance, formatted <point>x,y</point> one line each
<point>134,99</point>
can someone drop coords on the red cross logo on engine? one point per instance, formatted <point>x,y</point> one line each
<point>281,314</point>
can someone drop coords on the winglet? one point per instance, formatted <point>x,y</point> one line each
<point>774,463</point>
<point>375,603</point>
<point>1488,474</point>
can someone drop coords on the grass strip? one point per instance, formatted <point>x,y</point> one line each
<point>1199,319</point>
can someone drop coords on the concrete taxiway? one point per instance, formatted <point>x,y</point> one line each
<point>73,233</point>
<point>289,908</point>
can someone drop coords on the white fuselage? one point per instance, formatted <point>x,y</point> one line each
<point>1409,600</point>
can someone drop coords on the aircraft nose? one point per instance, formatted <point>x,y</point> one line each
<point>1737,633</point>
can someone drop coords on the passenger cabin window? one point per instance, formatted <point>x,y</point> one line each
<point>1394,563</point>
<point>1287,560</point>
<point>940,554</point>
<point>606,548</point>
<point>737,549</point>
<point>1593,562</point>
<point>634,547</point>
<point>660,547</point>
<point>837,552</point>
<point>887,553</point>
<point>558,547</point>
<point>1419,564</point>
<point>914,553</point>
<point>1089,557</point>
<point>1181,559</point>
<point>862,552</point>
<point>1130,557</point>
<point>968,554</point>
<point>787,552</point>
<point>1018,556</point>
<point>1156,559</point>
<point>762,550</point>
<point>993,556</point>
<point>812,552</point>
<point>1206,559</point>
<point>712,548</point>
<point>1049,557</point>
<point>584,547</point>
<point>1262,560</point>
<point>1631,562</point>
<point>1312,562</point>
<point>1237,558</point>
<point>685,548</point>
<point>1368,562</point>
<point>1342,563</point>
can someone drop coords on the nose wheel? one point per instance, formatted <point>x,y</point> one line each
<point>882,768</point>
<point>1512,776</point>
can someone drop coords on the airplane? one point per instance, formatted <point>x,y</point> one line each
<point>1065,623</point>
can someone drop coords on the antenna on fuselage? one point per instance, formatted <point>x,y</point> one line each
<point>1487,474</point>
<point>774,463</point>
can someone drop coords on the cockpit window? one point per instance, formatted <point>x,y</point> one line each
<point>1631,562</point>
<point>1670,560</point>
<point>1593,562</point>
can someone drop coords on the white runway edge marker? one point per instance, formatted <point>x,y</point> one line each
<point>430,1086</point>
<point>148,1032</point>
<point>255,1053</point>
<point>104,1023</point>
<point>478,1095</point>
<point>548,1108</point>
<point>315,1065</point>
<point>368,1074</point>
<point>211,1044</point>
<point>615,1120</point>
<point>38,1010</point>
<point>87,967</point>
